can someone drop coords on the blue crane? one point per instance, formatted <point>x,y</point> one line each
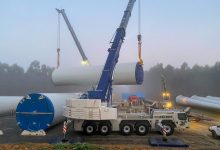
<point>103,90</point>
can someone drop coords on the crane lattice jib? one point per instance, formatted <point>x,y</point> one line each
<point>104,88</point>
<point>73,34</point>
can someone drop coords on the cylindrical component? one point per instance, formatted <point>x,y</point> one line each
<point>182,100</point>
<point>124,74</point>
<point>214,98</point>
<point>8,104</point>
<point>40,111</point>
<point>206,99</point>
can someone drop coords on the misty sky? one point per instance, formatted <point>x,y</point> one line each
<point>174,31</point>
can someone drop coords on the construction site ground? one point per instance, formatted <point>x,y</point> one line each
<point>197,137</point>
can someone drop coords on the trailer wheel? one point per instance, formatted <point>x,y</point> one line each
<point>89,128</point>
<point>169,128</point>
<point>141,129</point>
<point>104,129</point>
<point>126,129</point>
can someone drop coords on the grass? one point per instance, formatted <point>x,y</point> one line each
<point>79,146</point>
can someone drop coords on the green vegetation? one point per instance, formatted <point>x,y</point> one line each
<point>79,146</point>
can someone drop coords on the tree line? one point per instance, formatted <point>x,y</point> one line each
<point>197,80</point>
<point>185,80</point>
<point>15,81</point>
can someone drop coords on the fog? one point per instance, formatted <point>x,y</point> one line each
<point>185,80</point>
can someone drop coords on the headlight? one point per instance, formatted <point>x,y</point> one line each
<point>210,128</point>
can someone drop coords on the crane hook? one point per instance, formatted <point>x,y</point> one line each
<point>139,37</point>
<point>58,41</point>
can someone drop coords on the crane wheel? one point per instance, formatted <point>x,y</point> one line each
<point>89,128</point>
<point>126,129</point>
<point>141,129</point>
<point>169,128</point>
<point>104,129</point>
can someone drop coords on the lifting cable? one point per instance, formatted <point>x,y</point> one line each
<point>139,37</point>
<point>58,41</point>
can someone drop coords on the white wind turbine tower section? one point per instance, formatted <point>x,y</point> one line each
<point>8,104</point>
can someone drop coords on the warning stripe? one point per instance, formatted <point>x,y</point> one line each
<point>164,131</point>
<point>64,128</point>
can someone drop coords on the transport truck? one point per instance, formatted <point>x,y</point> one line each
<point>92,116</point>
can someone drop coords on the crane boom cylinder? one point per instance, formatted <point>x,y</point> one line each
<point>73,34</point>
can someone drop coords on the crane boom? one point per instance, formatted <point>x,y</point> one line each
<point>85,59</point>
<point>103,90</point>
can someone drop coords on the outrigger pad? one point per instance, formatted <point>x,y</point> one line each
<point>170,142</point>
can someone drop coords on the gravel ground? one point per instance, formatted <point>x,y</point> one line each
<point>197,136</point>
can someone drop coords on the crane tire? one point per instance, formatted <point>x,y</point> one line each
<point>126,129</point>
<point>169,128</point>
<point>104,129</point>
<point>89,128</point>
<point>141,129</point>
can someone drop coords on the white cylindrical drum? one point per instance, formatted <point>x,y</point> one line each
<point>8,104</point>
<point>214,98</point>
<point>205,99</point>
<point>124,74</point>
<point>182,100</point>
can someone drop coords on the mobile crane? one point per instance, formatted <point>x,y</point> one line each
<point>85,59</point>
<point>92,114</point>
